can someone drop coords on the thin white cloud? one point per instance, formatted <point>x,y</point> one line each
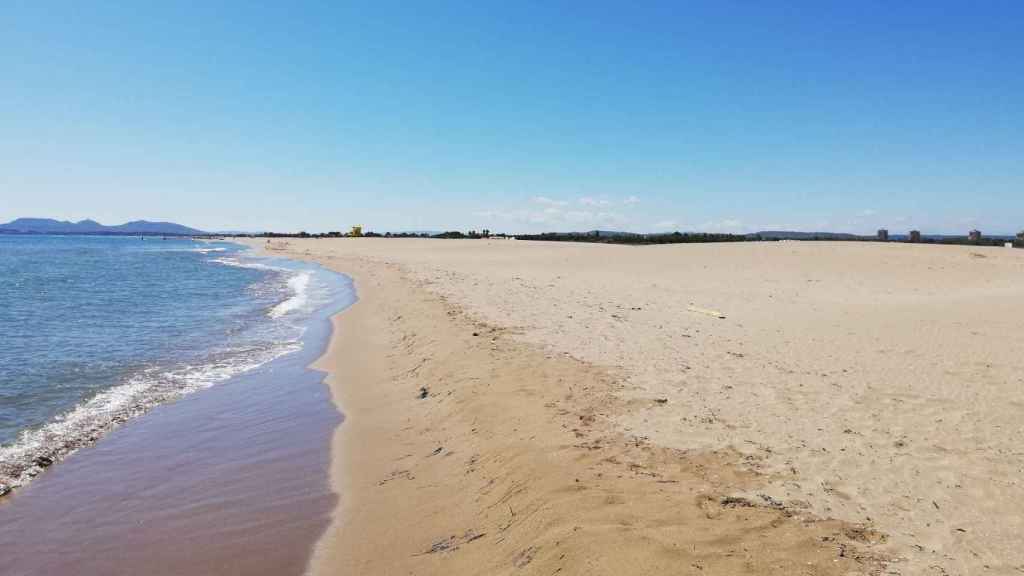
<point>548,201</point>
<point>553,216</point>
<point>597,202</point>
<point>589,201</point>
<point>545,213</point>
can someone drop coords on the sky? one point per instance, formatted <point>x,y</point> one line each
<point>518,116</point>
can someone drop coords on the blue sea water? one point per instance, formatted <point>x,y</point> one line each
<point>97,330</point>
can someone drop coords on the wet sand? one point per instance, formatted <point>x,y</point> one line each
<point>232,480</point>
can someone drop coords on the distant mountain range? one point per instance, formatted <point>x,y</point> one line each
<point>137,227</point>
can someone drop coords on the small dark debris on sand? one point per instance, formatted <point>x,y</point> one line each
<point>397,475</point>
<point>524,557</point>
<point>771,502</point>
<point>736,502</point>
<point>452,543</point>
<point>424,392</point>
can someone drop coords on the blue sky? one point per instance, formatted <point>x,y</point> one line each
<point>516,116</point>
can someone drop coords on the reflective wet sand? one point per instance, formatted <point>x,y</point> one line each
<point>231,480</point>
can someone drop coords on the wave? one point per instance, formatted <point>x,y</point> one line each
<point>228,261</point>
<point>193,250</point>
<point>295,292</point>
<point>299,285</point>
<point>84,424</point>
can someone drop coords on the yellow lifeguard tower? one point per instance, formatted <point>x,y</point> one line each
<point>356,232</point>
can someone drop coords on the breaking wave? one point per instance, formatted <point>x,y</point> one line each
<point>282,301</point>
<point>150,387</point>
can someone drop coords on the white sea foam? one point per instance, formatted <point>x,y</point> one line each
<point>228,261</point>
<point>194,250</point>
<point>87,422</point>
<point>299,286</point>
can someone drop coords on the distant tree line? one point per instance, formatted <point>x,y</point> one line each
<point>472,234</point>
<point>335,234</point>
<point>629,238</point>
<point>603,237</point>
<point>965,241</point>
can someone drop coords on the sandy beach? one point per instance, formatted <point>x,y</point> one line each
<point>540,408</point>
<point>512,288</point>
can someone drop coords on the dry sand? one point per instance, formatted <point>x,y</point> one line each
<point>855,411</point>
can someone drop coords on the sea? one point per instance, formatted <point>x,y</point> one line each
<point>158,410</point>
<point>96,331</point>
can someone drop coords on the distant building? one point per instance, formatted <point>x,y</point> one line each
<point>356,232</point>
<point>974,236</point>
<point>883,235</point>
<point>915,235</point>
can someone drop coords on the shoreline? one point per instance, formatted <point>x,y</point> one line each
<point>37,446</point>
<point>549,409</point>
<point>513,461</point>
<point>238,473</point>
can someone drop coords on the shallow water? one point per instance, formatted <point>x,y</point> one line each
<point>225,477</point>
<point>97,330</point>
